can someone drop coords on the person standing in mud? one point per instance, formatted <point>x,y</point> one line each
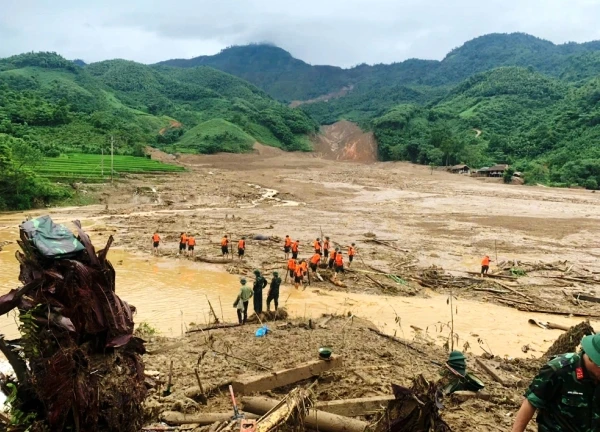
<point>241,248</point>
<point>317,245</point>
<point>291,266</point>
<point>241,303</point>
<point>287,246</point>
<point>339,263</point>
<point>225,246</point>
<point>191,243</point>
<point>182,243</point>
<point>273,294</point>
<point>565,392</point>
<point>298,275</point>
<point>295,248</point>
<point>314,262</point>
<point>351,254</point>
<point>485,265</point>
<point>259,283</point>
<point>332,258</point>
<point>155,243</point>
<point>326,246</point>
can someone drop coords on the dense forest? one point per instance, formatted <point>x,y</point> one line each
<point>499,98</point>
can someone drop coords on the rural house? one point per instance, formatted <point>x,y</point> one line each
<point>494,171</point>
<point>460,169</point>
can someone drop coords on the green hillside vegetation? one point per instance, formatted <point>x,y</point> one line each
<point>57,107</point>
<point>208,137</point>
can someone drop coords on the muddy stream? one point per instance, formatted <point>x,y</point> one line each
<point>170,294</point>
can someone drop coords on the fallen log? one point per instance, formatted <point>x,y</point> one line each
<point>293,404</point>
<point>336,282</point>
<point>548,325</point>
<point>380,285</point>
<point>562,313</point>
<point>587,298</point>
<point>204,419</point>
<point>213,327</point>
<point>491,290</point>
<point>400,341</point>
<point>195,393</point>
<point>355,407</point>
<point>463,395</point>
<point>285,377</point>
<point>493,276</point>
<point>514,291</point>
<point>214,260</point>
<point>317,419</point>
<point>497,376</point>
<point>573,279</point>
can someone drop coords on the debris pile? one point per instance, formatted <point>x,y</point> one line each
<point>77,364</point>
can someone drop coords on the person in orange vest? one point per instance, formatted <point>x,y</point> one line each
<point>191,242</point>
<point>317,245</point>
<point>485,265</point>
<point>304,267</point>
<point>314,262</point>
<point>155,243</point>
<point>339,262</point>
<point>326,248</point>
<point>241,247</point>
<point>351,253</point>
<point>295,247</point>
<point>182,243</point>
<point>291,266</point>
<point>332,257</point>
<point>225,246</point>
<point>298,275</point>
<point>287,246</point>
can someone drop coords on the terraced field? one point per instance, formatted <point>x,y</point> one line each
<point>91,168</point>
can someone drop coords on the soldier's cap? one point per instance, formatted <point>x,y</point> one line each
<point>243,281</point>
<point>256,272</point>
<point>591,346</point>
<point>275,273</point>
<point>457,362</point>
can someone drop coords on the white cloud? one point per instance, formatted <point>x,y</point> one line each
<point>318,31</point>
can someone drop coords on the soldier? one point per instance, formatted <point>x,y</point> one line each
<point>565,392</point>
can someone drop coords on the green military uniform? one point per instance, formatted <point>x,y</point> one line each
<point>566,396</point>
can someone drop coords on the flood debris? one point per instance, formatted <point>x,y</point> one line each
<point>570,340</point>
<point>77,364</point>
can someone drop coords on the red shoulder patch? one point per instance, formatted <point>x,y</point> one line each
<point>579,373</point>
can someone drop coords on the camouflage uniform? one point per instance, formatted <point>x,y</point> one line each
<point>566,396</point>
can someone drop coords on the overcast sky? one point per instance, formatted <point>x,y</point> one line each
<point>337,32</point>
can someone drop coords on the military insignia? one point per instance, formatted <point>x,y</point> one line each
<point>579,373</point>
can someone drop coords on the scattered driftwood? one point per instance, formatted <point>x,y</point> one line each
<point>213,327</point>
<point>587,298</point>
<point>493,276</point>
<point>380,285</point>
<point>501,378</point>
<point>294,405</point>
<point>548,325</point>
<point>463,395</point>
<point>514,291</point>
<point>285,377</point>
<point>203,419</point>
<point>493,291</point>
<point>214,260</point>
<point>400,341</point>
<point>316,419</point>
<point>562,313</point>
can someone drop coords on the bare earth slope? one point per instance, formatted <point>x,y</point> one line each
<point>345,141</point>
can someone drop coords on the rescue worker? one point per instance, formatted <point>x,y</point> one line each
<point>304,267</point>
<point>351,253</point>
<point>485,265</point>
<point>287,246</point>
<point>326,246</point>
<point>298,275</point>
<point>291,266</point>
<point>259,283</point>
<point>565,392</point>
<point>314,262</point>
<point>332,258</point>
<point>241,247</point>
<point>295,247</point>
<point>225,246</point>
<point>339,262</point>
<point>191,242</point>
<point>155,243</point>
<point>182,243</point>
<point>273,294</point>
<point>317,245</point>
<point>241,303</point>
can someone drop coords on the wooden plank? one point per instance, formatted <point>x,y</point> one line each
<point>588,298</point>
<point>493,276</point>
<point>463,395</point>
<point>261,383</point>
<point>498,375</point>
<point>314,419</point>
<point>177,418</point>
<point>355,407</point>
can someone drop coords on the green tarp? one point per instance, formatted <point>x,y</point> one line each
<point>50,239</point>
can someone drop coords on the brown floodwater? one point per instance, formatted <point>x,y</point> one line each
<point>170,294</point>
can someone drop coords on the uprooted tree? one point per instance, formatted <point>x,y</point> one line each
<point>77,364</point>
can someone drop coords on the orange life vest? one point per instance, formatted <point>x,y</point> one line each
<point>224,241</point>
<point>295,247</point>
<point>304,266</point>
<point>326,245</point>
<point>339,260</point>
<point>332,254</point>
<point>298,271</point>
<point>183,239</point>
<point>317,245</point>
<point>486,261</point>
<point>315,259</point>
<point>351,251</point>
<point>191,241</point>
<point>241,244</point>
<point>291,264</point>
<point>288,242</point>
<point>155,238</point>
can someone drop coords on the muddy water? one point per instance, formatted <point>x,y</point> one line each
<point>170,294</point>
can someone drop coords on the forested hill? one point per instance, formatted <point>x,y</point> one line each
<point>286,78</point>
